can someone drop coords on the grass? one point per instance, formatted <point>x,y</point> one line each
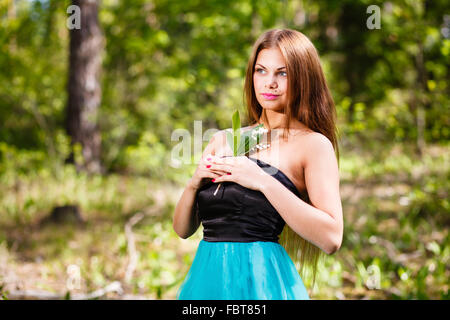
<point>396,242</point>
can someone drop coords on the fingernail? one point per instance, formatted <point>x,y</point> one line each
<point>208,159</point>
<point>208,166</point>
<point>213,180</point>
<point>228,172</point>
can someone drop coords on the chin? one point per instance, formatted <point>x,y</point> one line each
<point>274,107</point>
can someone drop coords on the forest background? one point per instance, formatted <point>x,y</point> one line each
<point>88,181</point>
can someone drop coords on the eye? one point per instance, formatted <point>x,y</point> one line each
<point>259,69</point>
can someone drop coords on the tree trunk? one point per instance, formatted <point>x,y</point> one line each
<point>84,91</point>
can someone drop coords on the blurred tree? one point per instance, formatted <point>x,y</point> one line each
<point>84,87</point>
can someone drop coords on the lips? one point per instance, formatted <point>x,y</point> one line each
<point>269,96</point>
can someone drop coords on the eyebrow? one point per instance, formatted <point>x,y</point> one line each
<point>277,69</point>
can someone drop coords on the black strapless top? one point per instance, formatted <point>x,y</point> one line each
<point>240,214</point>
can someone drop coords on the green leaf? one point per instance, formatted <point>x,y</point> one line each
<point>247,142</point>
<point>230,139</point>
<point>241,143</point>
<point>236,123</point>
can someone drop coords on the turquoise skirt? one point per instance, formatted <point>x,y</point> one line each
<point>242,271</point>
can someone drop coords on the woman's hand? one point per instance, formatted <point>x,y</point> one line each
<point>240,170</point>
<point>203,174</point>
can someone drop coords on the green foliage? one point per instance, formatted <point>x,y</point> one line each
<point>166,65</point>
<point>242,142</point>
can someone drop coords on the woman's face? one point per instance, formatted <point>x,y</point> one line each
<point>269,76</point>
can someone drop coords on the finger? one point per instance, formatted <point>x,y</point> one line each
<point>207,159</point>
<point>212,157</point>
<point>220,172</point>
<point>223,178</point>
<point>222,167</point>
<point>211,175</point>
<point>232,160</point>
<point>212,167</point>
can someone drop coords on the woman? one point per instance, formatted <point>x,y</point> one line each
<point>290,188</point>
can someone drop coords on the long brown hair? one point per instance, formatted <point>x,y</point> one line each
<point>309,101</point>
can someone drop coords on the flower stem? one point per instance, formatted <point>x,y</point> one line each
<point>217,188</point>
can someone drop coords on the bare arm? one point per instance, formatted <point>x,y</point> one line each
<point>320,223</point>
<point>185,220</point>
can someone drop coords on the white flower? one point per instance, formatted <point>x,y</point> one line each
<point>258,131</point>
<point>261,146</point>
<point>261,130</point>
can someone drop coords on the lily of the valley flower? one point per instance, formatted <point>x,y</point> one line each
<point>258,131</point>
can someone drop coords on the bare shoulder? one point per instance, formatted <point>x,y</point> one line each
<point>318,146</point>
<point>218,136</point>
<point>317,138</point>
<point>217,141</point>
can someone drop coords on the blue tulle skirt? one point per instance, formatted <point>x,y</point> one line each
<point>242,271</point>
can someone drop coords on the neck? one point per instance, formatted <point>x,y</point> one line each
<point>275,120</point>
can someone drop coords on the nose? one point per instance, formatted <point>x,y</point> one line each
<point>272,82</point>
